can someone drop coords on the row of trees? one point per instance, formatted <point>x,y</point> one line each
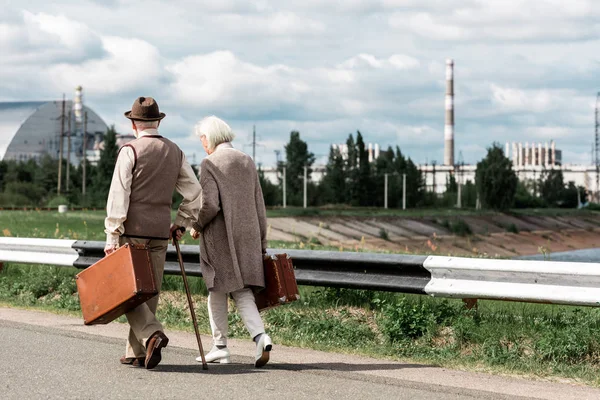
<point>350,179</point>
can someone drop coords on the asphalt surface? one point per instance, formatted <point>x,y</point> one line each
<point>46,356</point>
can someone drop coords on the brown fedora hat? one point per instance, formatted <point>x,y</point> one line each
<point>145,109</point>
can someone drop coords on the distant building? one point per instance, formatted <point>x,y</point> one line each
<point>29,130</point>
<point>372,149</point>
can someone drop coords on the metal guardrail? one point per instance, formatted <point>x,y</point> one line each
<point>454,277</point>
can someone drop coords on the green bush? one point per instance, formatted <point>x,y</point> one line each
<point>406,320</point>
<point>461,228</point>
<point>512,228</point>
<point>57,201</point>
<point>383,234</point>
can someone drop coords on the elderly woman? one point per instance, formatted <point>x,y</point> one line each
<point>232,226</point>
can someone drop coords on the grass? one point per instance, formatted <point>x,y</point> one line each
<point>539,340</point>
<point>514,338</point>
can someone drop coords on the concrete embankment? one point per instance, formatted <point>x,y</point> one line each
<point>494,235</point>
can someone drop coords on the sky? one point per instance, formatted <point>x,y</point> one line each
<point>525,70</point>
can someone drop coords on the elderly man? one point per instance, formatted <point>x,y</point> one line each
<point>147,171</point>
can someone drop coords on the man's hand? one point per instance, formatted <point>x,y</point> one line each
<point>109,248</point>
<point>176,232</point>
<point>195,234</point>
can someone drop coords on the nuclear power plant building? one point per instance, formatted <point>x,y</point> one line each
<point>30,130</point>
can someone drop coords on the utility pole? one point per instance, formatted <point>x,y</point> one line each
<point>60,145</point>
<point>305,179</point>
<point>68,154</point>
<point>84,166</point>
<point>459,175</point>
<point>404,191</point>
<point>254,143</point>
<point>597,148</point>
<point>284,191</point>
<point>385,192</point>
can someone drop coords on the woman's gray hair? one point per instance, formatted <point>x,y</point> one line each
<point>216,131</point>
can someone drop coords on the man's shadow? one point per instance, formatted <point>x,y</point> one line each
<point>246,368</point>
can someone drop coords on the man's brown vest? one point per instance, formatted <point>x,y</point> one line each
<point>155,172</point>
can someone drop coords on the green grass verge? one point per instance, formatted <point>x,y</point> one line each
<point>527,339</point>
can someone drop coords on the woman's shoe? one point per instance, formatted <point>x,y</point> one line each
<point>216,355</point>
<point>263,350</point>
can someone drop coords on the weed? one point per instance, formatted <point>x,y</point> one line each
<point>383,234</point>
<point>512,228</point>
<point>461,228</point>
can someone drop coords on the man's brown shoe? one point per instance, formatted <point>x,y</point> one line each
<point>133,361</point>
<point>154,344</point>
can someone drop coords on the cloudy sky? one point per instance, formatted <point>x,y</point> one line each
<point>526,70</point>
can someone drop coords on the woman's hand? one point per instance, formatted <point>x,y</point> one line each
<point>195,234</point>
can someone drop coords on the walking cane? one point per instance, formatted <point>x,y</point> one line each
<point>189,297</point>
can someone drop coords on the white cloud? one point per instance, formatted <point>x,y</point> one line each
<point>525,69</point>
<point>130,64</point>
<point>43,38</point>
<point>397,61</point>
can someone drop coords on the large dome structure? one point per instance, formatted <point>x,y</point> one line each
<point>29,130</point>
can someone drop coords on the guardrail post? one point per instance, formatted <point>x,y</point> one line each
<point>1,266</point>
<point>470,303</point>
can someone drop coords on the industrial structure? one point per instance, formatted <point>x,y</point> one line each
<point>372,149</point>
<point>30,130</point>
<point>529,160</point>
<point>449,121</point>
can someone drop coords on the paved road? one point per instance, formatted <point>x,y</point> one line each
<point>45,356</point>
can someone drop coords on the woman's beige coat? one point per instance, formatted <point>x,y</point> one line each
<point>232,221</point>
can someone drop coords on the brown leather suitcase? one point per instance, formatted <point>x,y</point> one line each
<point>116,284</point>
<point>280,283</point>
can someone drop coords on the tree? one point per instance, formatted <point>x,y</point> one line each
<point>552,186</point>
<point>384,164</point>
<point>496,180</point>
<point>105,168</point>
<point>271,192</point>
<point>363,174</point>
<point>351,170</point>
<point>570,195</point>
<point>524,198</point>
<point>415,185</point>
<point>297,157</point>
<point>333,185</point>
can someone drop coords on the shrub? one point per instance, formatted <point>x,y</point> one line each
<point>383,234</point>
<point>461,228</point>
<point>405,320</point>
<point>512,228</point>
<point>57,201</point>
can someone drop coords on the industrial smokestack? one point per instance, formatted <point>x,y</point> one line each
<point>78,105</point>
<point>449,126</point>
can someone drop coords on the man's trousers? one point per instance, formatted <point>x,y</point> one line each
<point>142,319</point>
